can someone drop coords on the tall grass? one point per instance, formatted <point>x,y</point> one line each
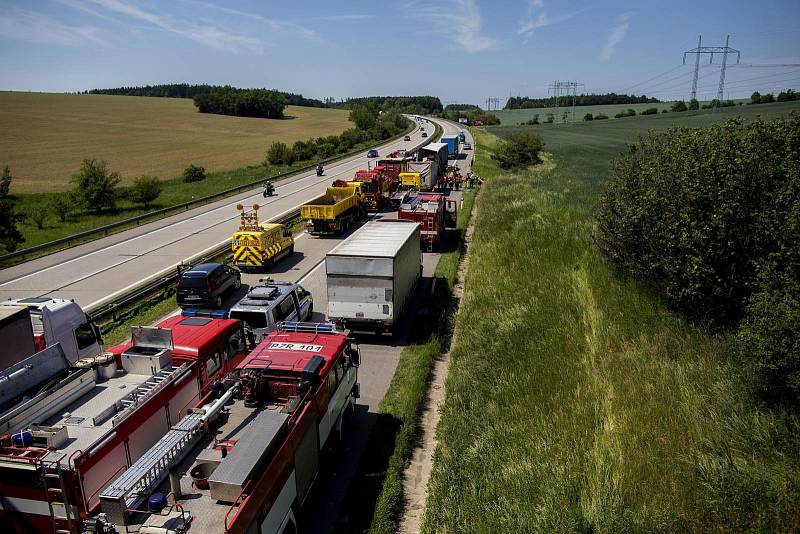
<point>576,401</point>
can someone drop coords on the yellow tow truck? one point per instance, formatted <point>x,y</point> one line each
<point>258,246</point>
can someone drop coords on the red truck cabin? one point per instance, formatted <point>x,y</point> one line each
<point>433,212</point>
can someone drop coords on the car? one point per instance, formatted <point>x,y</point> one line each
<point>372,153</point>
<point>206,284</point>
<point>407,138</point>
<point>467,146</point>
<point>424,134</point>
<point>270,303</point>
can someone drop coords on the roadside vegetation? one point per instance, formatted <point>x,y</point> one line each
<point>375,498</point>
<point>577,399</point>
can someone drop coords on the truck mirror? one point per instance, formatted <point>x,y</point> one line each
<point>302,387</point>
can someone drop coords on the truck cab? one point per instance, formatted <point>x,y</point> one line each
<point>265,306</point>
<point>61,321</point>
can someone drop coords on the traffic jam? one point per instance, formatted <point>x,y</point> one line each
<point>220,417</point>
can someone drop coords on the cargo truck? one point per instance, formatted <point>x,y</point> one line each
<point>332,213</point>
<point>56,321</point>
<point>372,274</point>
<point>452,146</point>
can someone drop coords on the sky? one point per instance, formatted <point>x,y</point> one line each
<point>462,51</point>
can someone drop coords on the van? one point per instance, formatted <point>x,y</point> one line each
<point>268,304</point>
<point>206,284</point>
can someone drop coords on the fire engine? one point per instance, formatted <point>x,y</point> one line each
<point>248,455</point>
<point>67,429</point>
<point>371,186</point>
<point>434,213</point>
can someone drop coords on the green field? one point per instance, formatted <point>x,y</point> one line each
<point>576,401</point>
<point>515,116</point>
<point>44,137</point>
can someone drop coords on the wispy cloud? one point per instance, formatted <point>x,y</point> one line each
<point>616,36</point>
<point>354,16</point>
<point>213,36</point>
<point>272,23</point>
<point>458,20</point>
<point>23,25</point>
<point>539,18</point>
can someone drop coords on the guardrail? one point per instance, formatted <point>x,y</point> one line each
<point>106,229</point>
<point>111,309</point>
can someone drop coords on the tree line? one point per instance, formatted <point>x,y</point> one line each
<point>186,90</point>
<point>524,102</point>
<point>710,218</point>
<point>420,105</point>
<point>262,103</point>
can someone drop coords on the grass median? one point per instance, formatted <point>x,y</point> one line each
<point>576,401</point>
<point>375,498</point>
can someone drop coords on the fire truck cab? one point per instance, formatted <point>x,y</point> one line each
<point>251,451</point>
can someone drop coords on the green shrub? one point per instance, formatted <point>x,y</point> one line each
<point>678,106</point>
<point>649,111</point>
<point>694,105</point>
<point>600,117</point>
<point>787,96</point>
<point>194,173</point>
<point>519,149</point>
<point>588,117</point>
<point>5,182</point>
<point>10,236</point>
<point>304,150</point>
<point>146,189</point>
<point>698,212</point>
<point>95,186</point>
<point>278,153</point>
<point>62,206</point>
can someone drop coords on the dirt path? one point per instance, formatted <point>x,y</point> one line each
<point>418,472</point>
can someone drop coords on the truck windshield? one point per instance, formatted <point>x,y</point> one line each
<point>254,319</point>
<point>368,187</point>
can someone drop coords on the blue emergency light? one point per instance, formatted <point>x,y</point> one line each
<point>215,314</point>
<point>312,328</point>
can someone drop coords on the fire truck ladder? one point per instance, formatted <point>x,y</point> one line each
<point>429,221</point>
<point>55,490</point>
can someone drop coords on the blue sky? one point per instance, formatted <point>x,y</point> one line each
<point>459,50</point>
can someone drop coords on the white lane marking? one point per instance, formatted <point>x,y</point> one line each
<point>353,163</point>
<point>309,273</point>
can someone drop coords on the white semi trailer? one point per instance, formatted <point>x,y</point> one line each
<point>372,274</point>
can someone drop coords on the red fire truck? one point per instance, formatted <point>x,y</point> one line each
<point>66,430</point>
<point>373,187</point>
<point>248,455</point>
<point>434,213</point>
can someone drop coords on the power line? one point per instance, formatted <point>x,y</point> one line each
<point>625,91</point>
<point>711,50</point>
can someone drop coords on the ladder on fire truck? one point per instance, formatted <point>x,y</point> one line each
<point>57,496</point>
<point>429,224</point>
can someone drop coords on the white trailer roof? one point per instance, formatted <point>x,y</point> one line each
<point>434,147</point>
<point>377,239</point>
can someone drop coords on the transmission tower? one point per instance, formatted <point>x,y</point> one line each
<point>711,50</point>
<point>492,101</point>
<point>563,89</point>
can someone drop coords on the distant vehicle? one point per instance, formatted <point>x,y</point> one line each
<point>424,134</point>
<point>467,146</point>
<point>461,137</point>
<point>320,170</point>
<point>372,153</point>
<point>407,138</point>
<point>206,284</point>
<point>268,304</point>
<point>452,145</point>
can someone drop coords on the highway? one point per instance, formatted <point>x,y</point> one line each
<point>92,272</point>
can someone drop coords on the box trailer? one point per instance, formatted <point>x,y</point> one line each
<point>452,146</point>
<point>372,274</point>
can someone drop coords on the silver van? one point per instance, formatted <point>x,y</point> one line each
<point>270,303</point>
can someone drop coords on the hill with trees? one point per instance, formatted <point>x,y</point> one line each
<point>524,102</point>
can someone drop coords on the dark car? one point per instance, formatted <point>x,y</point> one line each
<point>206,284</point>
<point>424,134</point>
<point>372,153</point>
<point>407,138</point>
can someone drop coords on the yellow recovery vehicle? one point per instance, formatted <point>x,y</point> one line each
<point>334,212</point>
<point>259,246</point>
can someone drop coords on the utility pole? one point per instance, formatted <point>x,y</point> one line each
<point>711,50</point>
<point>564,88</point>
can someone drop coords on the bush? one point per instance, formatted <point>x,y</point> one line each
<point>364,117</point>
<point>61,206</point>
<point>588,117</point>
<point>278,153</point>
<point>38,214</point>
<point>550,118</point>
<point>10,236</point>
<point>694,105</point>
<point>755,98</point>
<point>699,213</point>
<point>95,186</point>
<point>304,150</point>
<point>664,111</point>
<point>649,111</point>
<point>769,337</point>
<point>600,116</point>
<point>678,106</point>
<point>519,149</point>
<point>5,182</point>
<point>194,173</point>
<point>787,96</point>
<point>146,189</point>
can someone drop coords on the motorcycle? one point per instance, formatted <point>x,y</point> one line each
<point>320,170</point>
<point>269,190</point>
